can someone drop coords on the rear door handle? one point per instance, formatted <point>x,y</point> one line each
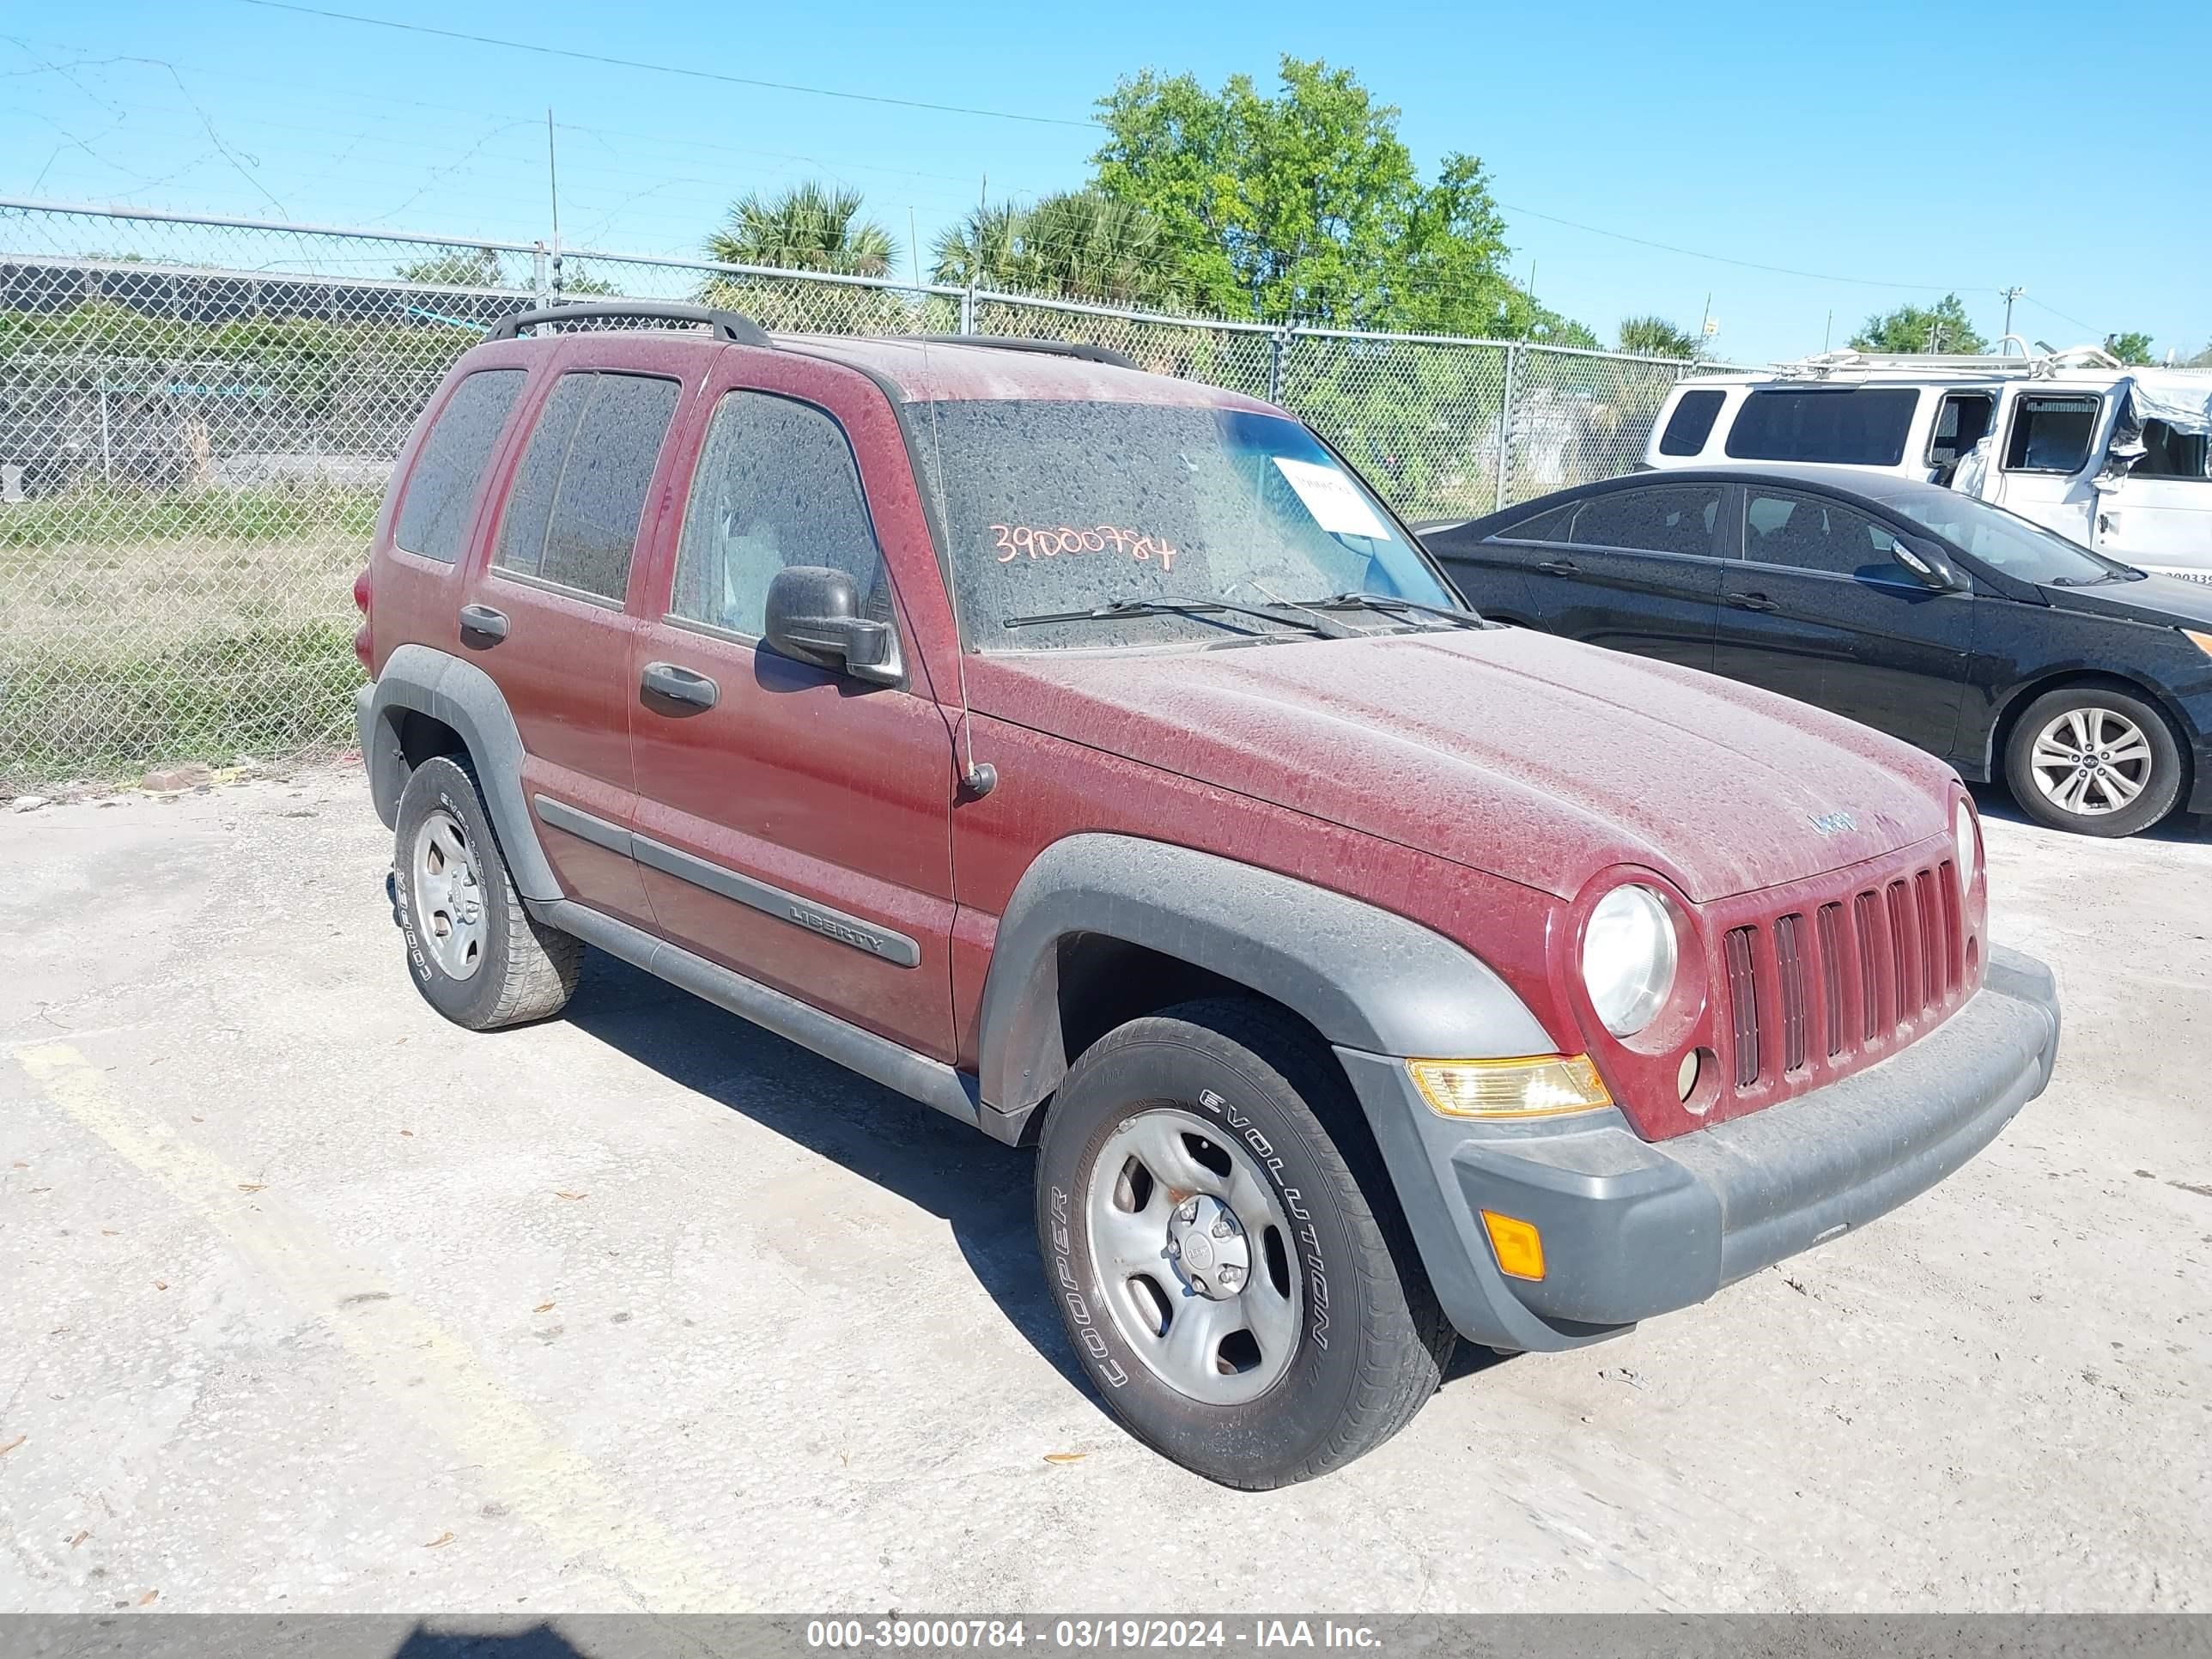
<point>679,684</point>
<point>1558,566</point>
<point>484,621</point>
<point>1753,602</point>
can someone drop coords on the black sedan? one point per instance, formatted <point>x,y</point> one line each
<point>2083,684</point>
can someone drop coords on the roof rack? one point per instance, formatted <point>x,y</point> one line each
<point>732,326</point>
<point>1089,354</point>
<point>2033,364</point>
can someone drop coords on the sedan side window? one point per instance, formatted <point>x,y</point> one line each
<point>1807,532</point>
<point>776,487</point>
<point>1670,518</point>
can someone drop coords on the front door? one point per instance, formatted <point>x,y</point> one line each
<point>1820,609</point>
<point>2049,439</point>
<point>1634,569</point>
<point>792,823</point>
<point>2159,515</point>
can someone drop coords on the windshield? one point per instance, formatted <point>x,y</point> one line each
<point>2006,541</point>
<point>1052,508</point>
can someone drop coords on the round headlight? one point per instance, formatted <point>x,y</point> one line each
<point>1628,958</point>
<point>1964,841</point>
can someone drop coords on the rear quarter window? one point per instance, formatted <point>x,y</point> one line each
<point>1853,426</point>
<point>441,486</point>
<point>1691,423</point>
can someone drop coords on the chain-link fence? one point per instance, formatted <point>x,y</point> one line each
<point>198,417</point>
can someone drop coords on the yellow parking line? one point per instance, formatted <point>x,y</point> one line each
<point>416,1363</point>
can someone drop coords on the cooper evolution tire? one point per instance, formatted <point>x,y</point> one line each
<point>1226,1252</point>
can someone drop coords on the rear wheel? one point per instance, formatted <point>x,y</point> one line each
<point>477,955</point>
<point>2093,760</point>
<point>1237,1280</point>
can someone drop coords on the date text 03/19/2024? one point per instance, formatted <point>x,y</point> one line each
<point>1084,1635</point>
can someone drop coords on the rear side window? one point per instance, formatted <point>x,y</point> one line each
<point>434,515</point>
<point>573,517</point>
<point>1809,532</point>
<point>1849,426</point>
<point>776,487</point>
<point>1671,519</point>
<point>1550,526</point>
<point>1691,423</point>
<point>2050,434</point>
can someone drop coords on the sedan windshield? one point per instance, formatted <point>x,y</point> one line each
<point>1101,523</point>
<point>2007,542</point>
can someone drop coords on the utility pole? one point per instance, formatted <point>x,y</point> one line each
<point>553,188</point>
<point>1828,332</point>
<point>2009,295</point>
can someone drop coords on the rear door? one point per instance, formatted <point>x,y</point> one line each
<point>1636,569</point>
<point>1820,609</point>
<point>792,823</point>
<point>546,612</point>
<point>2049,439</point>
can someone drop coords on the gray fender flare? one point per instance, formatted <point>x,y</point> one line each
<point>1364,977</point>
<point>465,698</point>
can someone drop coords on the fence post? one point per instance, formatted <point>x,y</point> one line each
<point>1505,421</point>
<point>968,308</point>
<point>1278,344</point>
<point>107,449</point>
<point>541,279</point>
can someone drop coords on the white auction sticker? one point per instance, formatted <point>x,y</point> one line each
<point>1336,505</point>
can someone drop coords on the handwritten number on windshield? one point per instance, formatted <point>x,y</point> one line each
<point>1038,542</point>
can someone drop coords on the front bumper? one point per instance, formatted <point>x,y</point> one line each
<point>1633,1228</point>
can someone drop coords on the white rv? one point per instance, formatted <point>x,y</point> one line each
<point>2117,458</point>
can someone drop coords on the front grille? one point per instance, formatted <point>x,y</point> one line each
<point>1867,969</point>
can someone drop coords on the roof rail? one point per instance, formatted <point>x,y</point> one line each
<point>1089,354</point>
<point>2033,365</point>
<point>732,326</point>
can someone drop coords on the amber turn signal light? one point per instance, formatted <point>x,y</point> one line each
<point>1542,1085</point>
<point>1519,1247</point>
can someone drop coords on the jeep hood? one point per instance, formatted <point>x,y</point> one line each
<point>1524,756</point>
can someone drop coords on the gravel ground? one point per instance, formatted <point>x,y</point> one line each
<point>310,1301</point>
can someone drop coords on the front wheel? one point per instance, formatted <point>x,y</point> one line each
<point>1236,1280</point>
<point>2093,760</point>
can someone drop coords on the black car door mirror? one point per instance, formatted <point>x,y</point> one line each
<point>814,615</point>
<point>1925,560</point>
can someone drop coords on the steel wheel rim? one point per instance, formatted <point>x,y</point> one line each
<point>449,901</point>
<point>1199,1264</point>
<point>2091,761</point>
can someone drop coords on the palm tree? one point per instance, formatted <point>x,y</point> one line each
<point>810,226</point>
<point>1077,245</point>
<point>1654,337</point>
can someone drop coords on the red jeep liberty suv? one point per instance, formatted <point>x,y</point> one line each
<point>1091,756</point>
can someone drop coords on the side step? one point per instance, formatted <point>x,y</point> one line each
<point>893,1065</point>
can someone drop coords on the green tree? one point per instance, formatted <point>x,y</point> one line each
<point>1306,206</point>
<point>1654,337</point>
<point>1077,245</point>
<point>462,268</point>
<point>1940,327</point>
<point>2132,347</point>
<point>810,226</point>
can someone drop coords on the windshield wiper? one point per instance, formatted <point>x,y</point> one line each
<point>2094,581</point>
<point>1391,602</point>
<point>1169,607</point>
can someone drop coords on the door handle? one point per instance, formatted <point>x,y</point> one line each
<point>1558,566</point>
<point>484,621</point>
<point>1753,602</point>
<point>666,679</point>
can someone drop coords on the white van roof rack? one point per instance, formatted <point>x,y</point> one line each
<point>2031,363</point>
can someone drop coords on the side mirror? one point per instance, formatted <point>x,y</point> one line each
<point>1925,560</point>
<point>814,616</point>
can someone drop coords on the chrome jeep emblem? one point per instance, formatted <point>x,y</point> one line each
<point>1834,824</point>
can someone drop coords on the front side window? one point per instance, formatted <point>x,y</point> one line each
<point>1671,519</point>
<point>1050,507</point>
<point>2170,455</point>
<point>1691,423</point>
<point>2050,433</point>
<point>1842,426</point>
<point>2018,548</point>
<point>574,515</point>
<point>776,487</point>
<point>1810,532</point>
<point>441,486</point>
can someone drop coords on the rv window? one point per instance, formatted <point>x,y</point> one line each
<point>1847,426</point>
<point>2170,455</point>
<point>1691,423</point>
<point>2050,434</point>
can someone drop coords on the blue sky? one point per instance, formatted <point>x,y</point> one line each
<point>1910,148</point>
